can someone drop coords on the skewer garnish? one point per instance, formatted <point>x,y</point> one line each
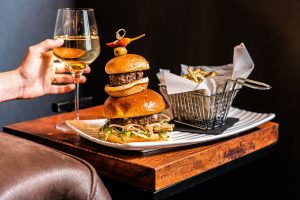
<point>121,42</point>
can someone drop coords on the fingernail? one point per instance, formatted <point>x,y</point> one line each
<point>83,78</point>
<point>59,41</point>
<point>72,86</point>
<point>88,70</point>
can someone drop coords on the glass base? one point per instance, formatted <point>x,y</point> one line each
<point>62,126</point>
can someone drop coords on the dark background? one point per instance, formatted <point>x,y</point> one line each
<point>194,32</point>
<point>204,33</point>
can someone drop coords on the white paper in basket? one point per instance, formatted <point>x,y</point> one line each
<point>242,67</point>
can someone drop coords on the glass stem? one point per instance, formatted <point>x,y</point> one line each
<point>76,76</point>
<point>76,100</point>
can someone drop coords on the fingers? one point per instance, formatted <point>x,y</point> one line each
<point>62,79</point>
<point>66,78</point>
<point>59,89</point>
<point>87,70</point>
<point>45,46</point>
<point>61,68</point>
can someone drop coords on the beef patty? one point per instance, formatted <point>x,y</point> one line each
<point>121,79</point>
<point>149,119</point>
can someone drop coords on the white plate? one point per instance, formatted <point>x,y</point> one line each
<point>247,120</point>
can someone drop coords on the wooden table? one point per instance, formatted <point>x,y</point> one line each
<point>156,171</point>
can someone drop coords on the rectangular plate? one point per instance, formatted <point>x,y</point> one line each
<point>246,120</point>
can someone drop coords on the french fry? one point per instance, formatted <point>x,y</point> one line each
<point>198,75</point>
<point>193,75</point>
<point>197,71</point>
<point>210,74</point>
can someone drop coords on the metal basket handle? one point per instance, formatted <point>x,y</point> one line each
<point>253,84</point>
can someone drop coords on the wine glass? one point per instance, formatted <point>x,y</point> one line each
<point>78,28</point>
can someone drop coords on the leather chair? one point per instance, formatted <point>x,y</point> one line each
<point>32,171</point>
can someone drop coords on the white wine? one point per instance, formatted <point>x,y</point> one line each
<point>78,51</point>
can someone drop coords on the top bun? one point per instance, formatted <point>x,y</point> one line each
<point>126,63</point>
<point>143,103</point>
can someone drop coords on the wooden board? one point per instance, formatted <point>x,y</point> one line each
<point>150,171</point>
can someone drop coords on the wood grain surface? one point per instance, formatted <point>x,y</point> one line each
<point>151,171</point>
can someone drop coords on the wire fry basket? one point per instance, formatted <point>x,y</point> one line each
<point>207,112</point>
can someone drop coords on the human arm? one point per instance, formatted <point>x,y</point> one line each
<point>35,76</point>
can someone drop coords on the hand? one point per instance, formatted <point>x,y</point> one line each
<point>37,72</point>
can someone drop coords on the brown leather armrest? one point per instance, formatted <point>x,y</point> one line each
<point>32,171</point>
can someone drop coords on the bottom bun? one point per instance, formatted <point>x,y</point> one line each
<point>133,138</point>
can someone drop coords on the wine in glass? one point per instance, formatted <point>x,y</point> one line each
<point>78,28</point>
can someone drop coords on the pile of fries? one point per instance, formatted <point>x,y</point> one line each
<point>198,75</point>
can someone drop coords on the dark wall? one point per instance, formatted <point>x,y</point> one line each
<point>22,24</point>
<point>205,32</point>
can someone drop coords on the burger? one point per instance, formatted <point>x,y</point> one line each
<point>136,118</point>
<point>126,75</point>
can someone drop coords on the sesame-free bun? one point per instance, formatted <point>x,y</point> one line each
<point>143,103</point>
<point>126,63</point>
<point>127,89</point>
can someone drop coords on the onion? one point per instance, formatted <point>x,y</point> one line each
<point>140,135</point>
<point>116,125</point>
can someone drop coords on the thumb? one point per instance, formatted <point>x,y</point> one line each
<point>47,45</point>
